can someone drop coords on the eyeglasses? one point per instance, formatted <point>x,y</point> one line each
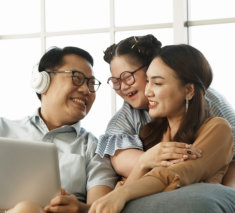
<point>79,78</point>
<point>126,77</point>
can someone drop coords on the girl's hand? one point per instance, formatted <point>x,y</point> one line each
<point>113,202</point>
<point>168,153</point>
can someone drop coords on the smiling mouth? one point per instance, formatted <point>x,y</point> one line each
<point>152,103</point>
<point>131,94</point>
<point>77,100</point>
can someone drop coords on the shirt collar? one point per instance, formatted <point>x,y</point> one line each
<point>37,118</point>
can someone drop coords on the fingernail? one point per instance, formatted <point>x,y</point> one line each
<point>63,191</point>
<point>188,145</point>
<point>185,156</point>
<point>189,152</point>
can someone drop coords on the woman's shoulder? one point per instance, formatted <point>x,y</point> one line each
<point>215,122</point>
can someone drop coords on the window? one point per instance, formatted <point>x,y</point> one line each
<point>212,30</point>
<point>94,25</point>
<point>17,59</point>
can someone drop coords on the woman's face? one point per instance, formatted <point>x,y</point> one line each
<point>166,94</point>
<point>133,94</point>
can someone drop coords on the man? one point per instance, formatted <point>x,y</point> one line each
<point>65,84</point>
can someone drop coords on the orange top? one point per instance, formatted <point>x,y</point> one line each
<point>215,139</point>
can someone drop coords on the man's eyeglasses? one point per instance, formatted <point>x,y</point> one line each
<point>78,79</point>
<point>126,77</point>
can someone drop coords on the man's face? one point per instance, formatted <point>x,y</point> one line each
<point>65,103</point>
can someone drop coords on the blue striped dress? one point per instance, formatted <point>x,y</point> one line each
<point>123,129</point>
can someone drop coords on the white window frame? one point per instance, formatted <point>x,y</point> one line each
<point>180,27</point>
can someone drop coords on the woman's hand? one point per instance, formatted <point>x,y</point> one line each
<point>113,202</point>
<point>64,203</point>
<point>168,153</point>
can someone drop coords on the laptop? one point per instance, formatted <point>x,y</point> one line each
<point>29,171</point>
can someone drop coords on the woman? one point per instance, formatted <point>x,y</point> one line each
<point>176,83</point>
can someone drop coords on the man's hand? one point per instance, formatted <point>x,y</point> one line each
<point>64,203</point>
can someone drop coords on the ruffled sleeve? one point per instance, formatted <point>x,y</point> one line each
<point>108,144</point>
<point>123,131</point>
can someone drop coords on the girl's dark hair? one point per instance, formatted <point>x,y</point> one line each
<point>190,66</point>
<point>141,48</point>
<point>53,58</point>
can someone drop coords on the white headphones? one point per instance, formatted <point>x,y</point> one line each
<point>40,80</point>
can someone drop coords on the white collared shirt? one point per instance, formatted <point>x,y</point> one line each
<point>80,168</point>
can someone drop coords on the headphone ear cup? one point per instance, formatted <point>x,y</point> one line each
<point>40,81</point>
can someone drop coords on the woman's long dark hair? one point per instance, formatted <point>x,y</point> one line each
<point>190,66</point>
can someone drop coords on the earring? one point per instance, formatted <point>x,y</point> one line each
<point>187,103</point>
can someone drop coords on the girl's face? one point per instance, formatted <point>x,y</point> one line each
<point>165,92</point>
<point>132,94</point>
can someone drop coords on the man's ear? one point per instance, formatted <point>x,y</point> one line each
<point>189,90</point>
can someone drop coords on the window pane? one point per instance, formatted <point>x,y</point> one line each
<point>163,35</point>
<point>76,14</point>
<point>17,60</point>
<point>139,12</point>
<point>95,44</point>
<point>217,43</point>
<point>19,16</point>
<point>211,9</point>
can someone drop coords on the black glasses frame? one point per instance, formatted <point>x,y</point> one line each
<point>120,78</point>
<point>74,77</point>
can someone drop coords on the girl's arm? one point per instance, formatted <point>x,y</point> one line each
<point>162,154</point>
<point>124,160</point>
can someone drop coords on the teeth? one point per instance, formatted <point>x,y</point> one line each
<point>152,103</point>
<point>130,94</point>
<point>79,101</point>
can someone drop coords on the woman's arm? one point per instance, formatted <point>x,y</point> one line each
<point>116,200</point>
<point>162,154</point>
<point>97,192</point>
<point>229,178</point>
<point>215,140</point>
